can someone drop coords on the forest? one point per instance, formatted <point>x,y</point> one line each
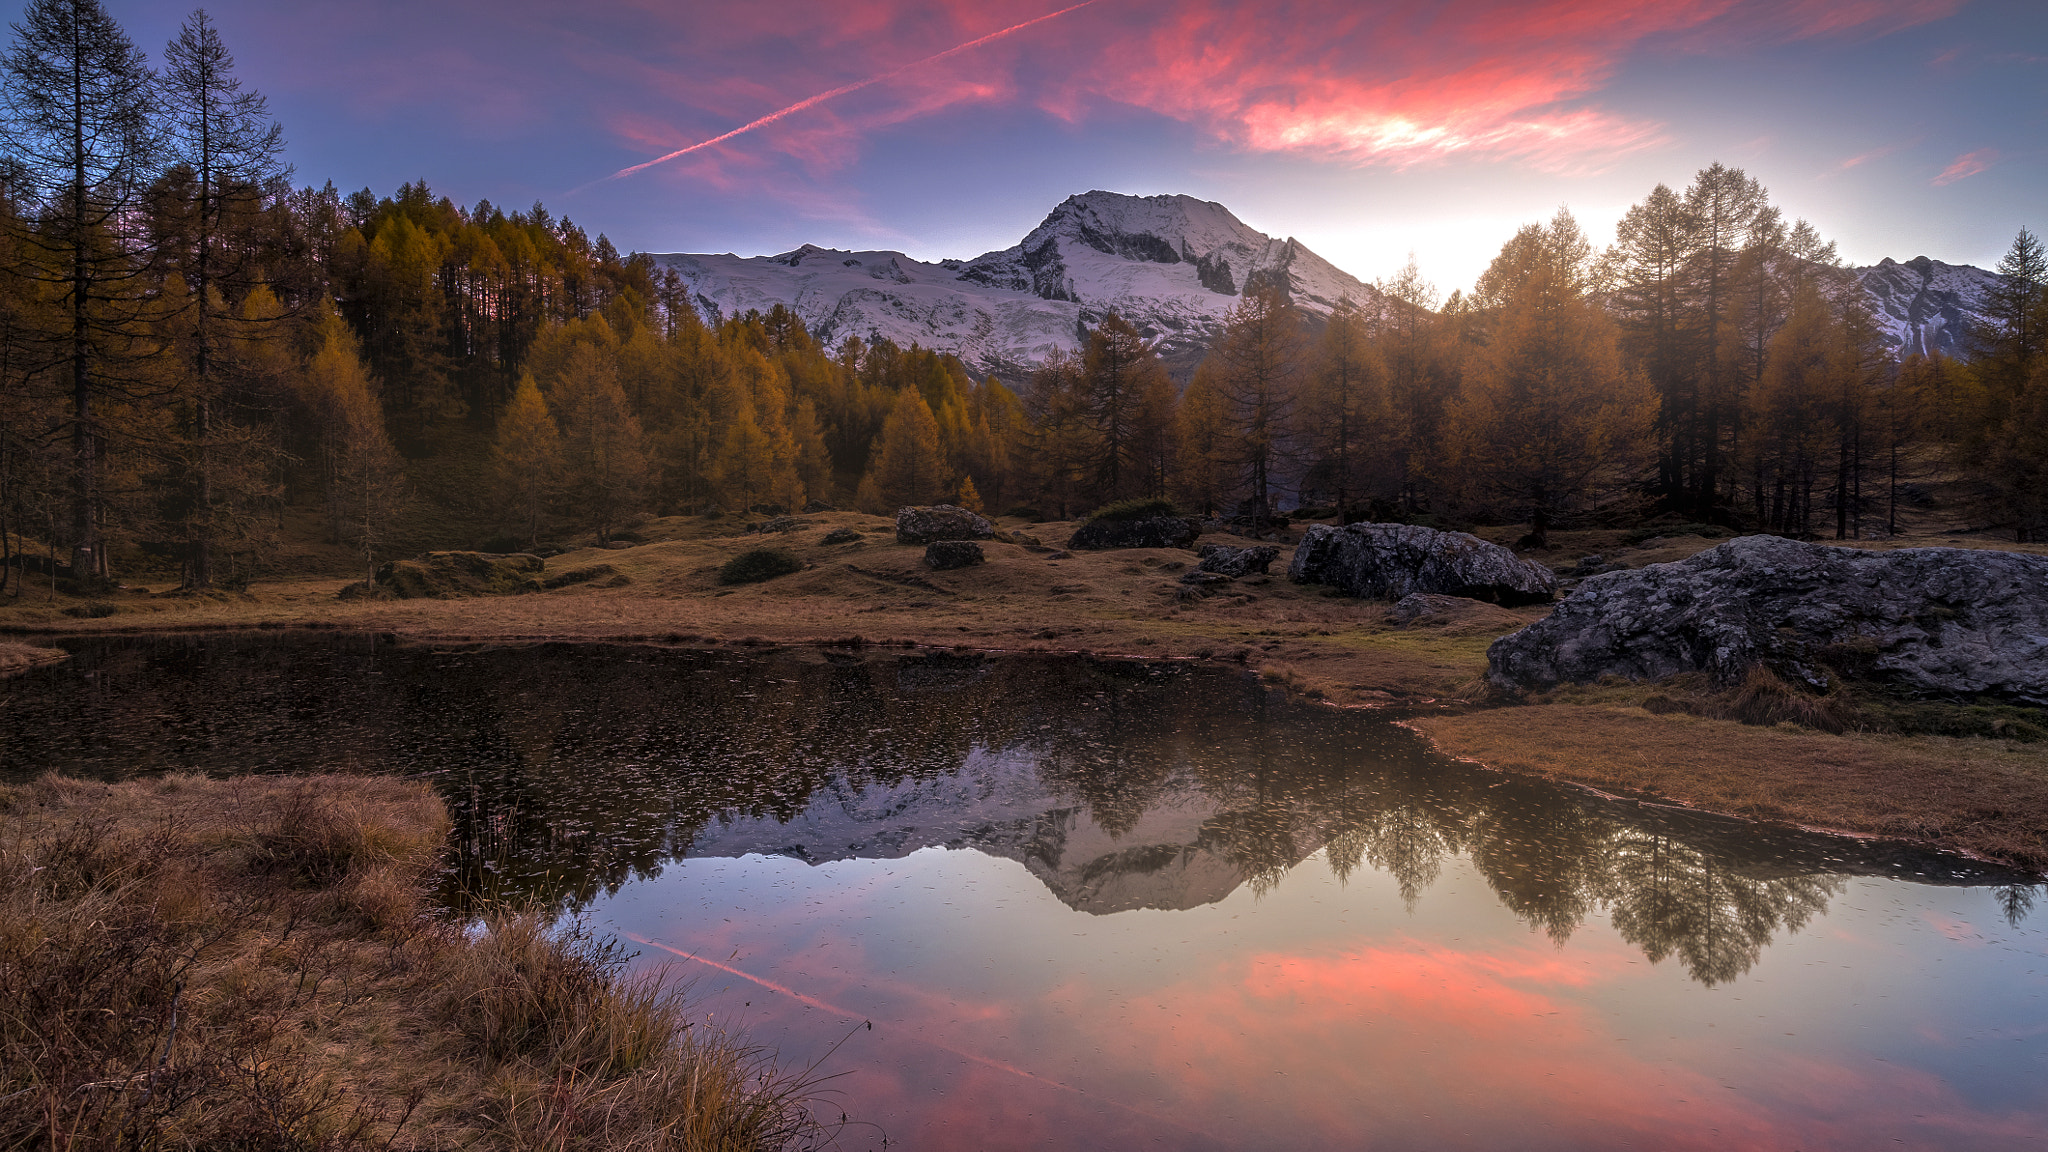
<point>198,358</point>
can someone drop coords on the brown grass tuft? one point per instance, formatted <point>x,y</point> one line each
<point>250,963</point>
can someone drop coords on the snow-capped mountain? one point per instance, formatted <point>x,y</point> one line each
<point>1170,265</point>
<point>1925,305</point>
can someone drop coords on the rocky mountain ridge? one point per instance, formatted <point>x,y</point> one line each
<point>1171,265</point>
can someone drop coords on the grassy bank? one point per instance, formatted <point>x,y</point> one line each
<point>249,963</point>
<point>1031,595</point>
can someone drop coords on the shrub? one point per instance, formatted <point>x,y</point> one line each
<point>1134,510</point>
<point>758,565</point>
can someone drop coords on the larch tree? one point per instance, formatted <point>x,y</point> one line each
<point>1060,442</point>
<point>1344,411</point>
<point>1421,376</point>
<point>1811,364</point>
<point>1261,357</point>
<point>527,457</point>
<point>604,461</point>
<point>363,477</point>
<point>81,135</point>
<point>1120,372</point>
<point>1203,475</point>
<point>1549,421</point>
<point>224,135</point>
<point>909,465</point>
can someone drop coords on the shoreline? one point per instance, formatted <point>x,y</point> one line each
<point>1983,796</point>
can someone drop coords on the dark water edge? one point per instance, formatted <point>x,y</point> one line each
<point>572,769</point>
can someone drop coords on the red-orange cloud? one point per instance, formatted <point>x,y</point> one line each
<point>1357,83</point>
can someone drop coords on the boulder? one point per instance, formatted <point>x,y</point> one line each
<point>1389,561</point>
<point>1146,532</point>
<point>818,506</point>
<point>1425,608</point>
<point>940,522</point>
<point>1236,561</point>
<point>942,555</point>
<point>840,536</point>
<point>1930,621</point>
<point>775,524</point>
<point>454,575</point>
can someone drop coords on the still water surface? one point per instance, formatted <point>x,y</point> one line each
<point>1101,904</point>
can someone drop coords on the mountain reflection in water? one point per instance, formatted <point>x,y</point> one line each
<point>571,769</point>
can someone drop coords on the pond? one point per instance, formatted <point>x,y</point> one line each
<point>1075,903</point>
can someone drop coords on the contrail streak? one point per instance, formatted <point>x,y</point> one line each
<point>977,1058</point>
<point>842,90</point>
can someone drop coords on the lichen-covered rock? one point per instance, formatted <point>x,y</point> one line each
<point>942,555</point>
<point>1146,532</point>
<point>940,522</point>
<point>1389,561</point>
<point>1236,561</point>
<point>454,575</point>
<point>1933,621</point>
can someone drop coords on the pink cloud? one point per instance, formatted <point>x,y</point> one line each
<point>1967,165</point>
<point>1360,84</point>
<point>1862,158</point>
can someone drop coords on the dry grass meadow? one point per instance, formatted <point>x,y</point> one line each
<point>250,963</point>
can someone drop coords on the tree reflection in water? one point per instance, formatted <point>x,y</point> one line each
<point>571,769</point>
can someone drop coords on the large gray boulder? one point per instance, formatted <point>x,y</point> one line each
<point>1934,621</point>
<point>1390,561</point>
<point>1145,532</point>
<point>940,522</point>
<point>1236,561</point>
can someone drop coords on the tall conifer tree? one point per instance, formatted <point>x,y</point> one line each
<point>78,128</point>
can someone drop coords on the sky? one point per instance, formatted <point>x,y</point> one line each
<point>1369,131</point>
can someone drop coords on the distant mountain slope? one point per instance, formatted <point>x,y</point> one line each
<point>1925,305</point>
<point>1172,266</point>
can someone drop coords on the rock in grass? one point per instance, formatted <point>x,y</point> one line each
<point>1150,532</point>
<point>1931,621</point>
<point>1389,561</point>
<point>840,536</point>
<point>940,522</point>
<point>454,575</point>
<point>757,565</point>
<point>1236,561</point>
<point>942,555</point>
<point>1426,608</point>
